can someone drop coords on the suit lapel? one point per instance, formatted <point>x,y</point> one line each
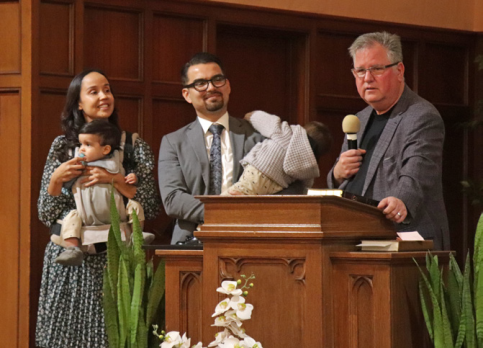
<point>197,141</point>
<point>386,138</point>
<point>364,116</point>
<point>237,138</point>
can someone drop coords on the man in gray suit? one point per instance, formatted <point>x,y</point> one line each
<point>184,156</point>
<point>399,159</point>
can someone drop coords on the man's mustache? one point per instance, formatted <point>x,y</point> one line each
<point>211,94</point>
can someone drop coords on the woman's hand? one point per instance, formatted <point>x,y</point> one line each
<point>67,171</point>
<point>96,175</point>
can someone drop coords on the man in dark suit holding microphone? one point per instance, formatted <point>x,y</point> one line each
<point>399,158</point>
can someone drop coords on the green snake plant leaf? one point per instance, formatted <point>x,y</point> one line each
<point>124,303</point>
<point>110,313</point>
<point>454,290</point>
<point>478,279</point>
<point>428,317</point>
<point>142,338</point>
<point>156,292</point>
<point>478,254</point>
<point>470,339</point>
<point>138,253</point>
<point>115,222</point>
<point>434,275</point>
<point>447,332</point>
<point>137,299</point>
<point>478,305</point>
<point>460,338</point>
<point>438,336</point>
<point>113,255</point>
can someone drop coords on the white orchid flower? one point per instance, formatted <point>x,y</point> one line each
<point>171,339</point>
<point>229,287</point>
<point>249,342</point>
<point>219,337</point>
<point>240,332</point>
<point>230,342</point>
<point>185,342</point>
<point>231,316</point>
<point>222,307</point>
<point>244,311</point>
<point>199,345</point>
<point>220,321</point>
<point>235,300</point>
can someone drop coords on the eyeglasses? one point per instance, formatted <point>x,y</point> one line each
<point>374,70</point>
<point>201,85</point>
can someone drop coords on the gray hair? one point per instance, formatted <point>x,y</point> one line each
<point>391,42</point>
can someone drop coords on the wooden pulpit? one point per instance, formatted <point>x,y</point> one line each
<point>298,248</point>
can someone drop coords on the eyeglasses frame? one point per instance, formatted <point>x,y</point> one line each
<point>192,85</point>
<point>372,68</point>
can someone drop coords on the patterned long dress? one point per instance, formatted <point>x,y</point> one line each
<point>70,313</point>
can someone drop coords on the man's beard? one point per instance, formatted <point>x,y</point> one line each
<point>216,105</point>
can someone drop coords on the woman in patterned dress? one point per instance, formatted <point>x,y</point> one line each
<point>70,313</point>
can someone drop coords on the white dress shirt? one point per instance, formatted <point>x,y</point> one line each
<point>226,149</point>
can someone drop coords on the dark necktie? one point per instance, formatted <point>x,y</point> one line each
<point>215,160</point>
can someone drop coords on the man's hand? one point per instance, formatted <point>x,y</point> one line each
<point>348,164</point>
<point>394,209</point>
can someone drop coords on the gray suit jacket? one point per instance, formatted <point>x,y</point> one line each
<point>184,171</point>
<point>407,164</point>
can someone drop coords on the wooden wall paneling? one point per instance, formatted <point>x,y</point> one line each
<point>10,40</point>
<point>444,69</point>
<point>333,75</point>
<point>79,13</point>
<point>7,81</point>
<point>475,134</point>
<point>175,41</point>
<point>10,208</point>
<point>247,53</point>
<point>28,263</point>
<point>443,80</point>
<point>299,109</point>
<point>147,105</point>
<point>455,169</point>
<point>113,41</point>
<point>130,113</point>
<point>56,38</point>
<point>410,60</point>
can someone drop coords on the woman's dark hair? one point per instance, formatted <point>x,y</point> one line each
<point>72,118</point>
<point>108,133</point>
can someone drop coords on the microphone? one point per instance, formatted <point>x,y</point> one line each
<point>350,126</point>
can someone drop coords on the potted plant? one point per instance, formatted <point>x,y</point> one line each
<point>132,293</point>
<point>452,301</point>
